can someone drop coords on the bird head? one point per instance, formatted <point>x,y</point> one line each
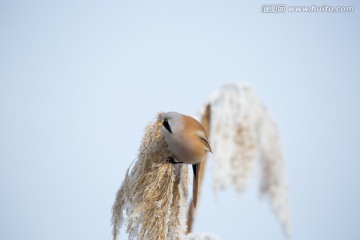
<point>184,128</point>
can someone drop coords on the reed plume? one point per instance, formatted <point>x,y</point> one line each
<point>153,194</point>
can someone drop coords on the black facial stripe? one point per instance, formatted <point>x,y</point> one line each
<point>166,125</point>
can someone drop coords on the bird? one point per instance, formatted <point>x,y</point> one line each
<point>187,142</point>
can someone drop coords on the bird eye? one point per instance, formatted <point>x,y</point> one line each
<point>166,125</point>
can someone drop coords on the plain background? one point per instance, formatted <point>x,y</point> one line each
<point>79,81</point>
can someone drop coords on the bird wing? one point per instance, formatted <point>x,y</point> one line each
<point>206,143</point>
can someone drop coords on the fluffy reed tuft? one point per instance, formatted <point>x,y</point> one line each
<point>153,194</point>
<point>243,133</point>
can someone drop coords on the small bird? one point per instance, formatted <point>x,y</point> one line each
<point>187,142</point>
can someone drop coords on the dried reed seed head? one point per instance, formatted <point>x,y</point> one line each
<point>153,193</point>
<point>243,133</point>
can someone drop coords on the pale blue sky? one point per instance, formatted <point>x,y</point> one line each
<point>79,80</point>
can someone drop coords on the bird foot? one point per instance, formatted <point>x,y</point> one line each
<point>172,161</point>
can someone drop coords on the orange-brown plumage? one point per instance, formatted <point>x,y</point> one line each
<point>186,138</point>
<point>187,142</point>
